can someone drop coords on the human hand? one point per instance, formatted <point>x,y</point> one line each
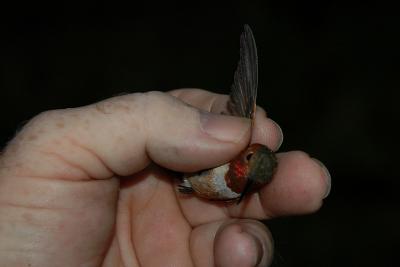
<point>63,201</point>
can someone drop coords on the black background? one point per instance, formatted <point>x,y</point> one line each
<point>327,76</point>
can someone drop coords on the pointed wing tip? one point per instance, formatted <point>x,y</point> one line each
<point>247,28</point>
<point>244,88</point>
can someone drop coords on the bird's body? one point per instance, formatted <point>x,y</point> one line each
<point>250,170</point>
<point>254,166</point>
<point>211,184</point>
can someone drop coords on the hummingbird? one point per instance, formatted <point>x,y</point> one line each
<point>255,165</point>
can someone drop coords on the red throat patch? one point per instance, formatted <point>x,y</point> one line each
<point>235,177</point>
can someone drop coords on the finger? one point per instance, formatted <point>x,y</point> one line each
<point>120,136</point>
<point>265,130</point>
<point>299,186</point>
<point>231,243</point>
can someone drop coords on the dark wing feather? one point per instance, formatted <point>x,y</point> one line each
<point>244,88</point>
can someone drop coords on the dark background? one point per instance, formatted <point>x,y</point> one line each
<point>327,75</point>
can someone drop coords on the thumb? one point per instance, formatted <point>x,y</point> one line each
<point>121,135</point>
<point>183,138</point>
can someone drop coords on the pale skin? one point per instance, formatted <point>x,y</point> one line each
<point>84,186</point>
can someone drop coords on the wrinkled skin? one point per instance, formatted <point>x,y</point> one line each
<point>63,201</point>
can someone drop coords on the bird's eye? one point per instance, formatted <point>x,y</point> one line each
<point>248,156</point>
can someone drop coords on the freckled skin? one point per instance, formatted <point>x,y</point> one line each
<point>60,124</point>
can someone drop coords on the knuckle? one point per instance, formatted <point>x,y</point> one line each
<point>154,95</point>
<point>300,155</point>
<point>44,117</point>
<point>129,103</point>
<point>161,104</point>
<point>39,122</point>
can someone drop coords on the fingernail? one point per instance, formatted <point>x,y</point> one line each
<point>280,134</point>
<point>259,249</point>
<point>327,177</point>
<point>225,128</point>
<point>263,242</point>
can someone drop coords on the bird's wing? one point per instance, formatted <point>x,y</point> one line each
<point>244,88</point>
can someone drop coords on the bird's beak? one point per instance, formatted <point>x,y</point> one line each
<point>245,190</point>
